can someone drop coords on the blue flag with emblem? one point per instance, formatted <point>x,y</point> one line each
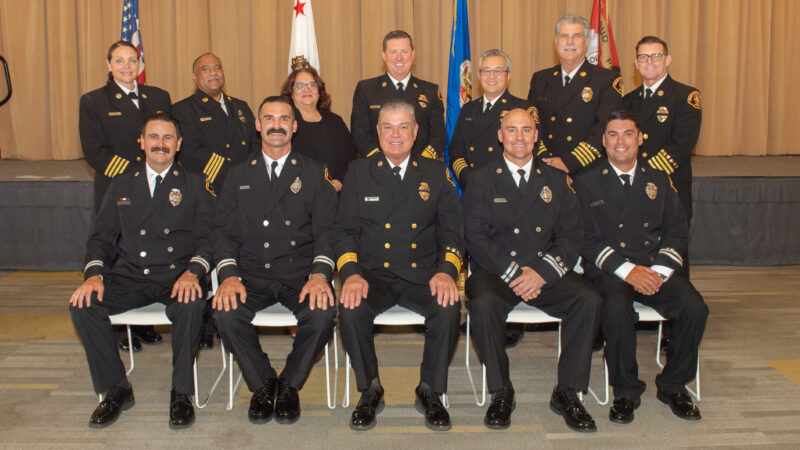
<point>459,79</point>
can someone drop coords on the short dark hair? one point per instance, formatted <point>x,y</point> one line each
<point>621,114</point>
<point>204,54</point>
<point>115,46</point>
<point>652,40</point>
<point>275,99</point>
<point>397,34</point>
<point>164,117</point>
<point>324,102</point>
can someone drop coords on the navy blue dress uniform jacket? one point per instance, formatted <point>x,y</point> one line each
<point>646,226</point>
<point>572,116</point>
<point>474,143</point>
<point>213,140</point>
<point>371,93</point>
<point>152,239</point>
<point>411,229</point>
<point>507,229</point>
<point>110,129</point>
<point>670,121</point>
<point>280,233</point>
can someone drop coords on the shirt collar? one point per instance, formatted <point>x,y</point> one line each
<point>402,165</point>
<point>281,160</point>
<point>571,74</point>
<point>127,91</point>
<point>655,85</point>
<point>496,99</point>
<point>631,172</point>
<point>404,80</point>
<point>152,174</point>
<point>514,168</point>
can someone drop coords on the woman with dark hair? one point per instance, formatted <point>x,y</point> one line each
<point>321,134</point>
<point>110,125</point>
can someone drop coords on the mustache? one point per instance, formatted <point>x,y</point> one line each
<point>159,149</point>
<point>214,77</point>
<point>570,47</point>
<point>276,130</point>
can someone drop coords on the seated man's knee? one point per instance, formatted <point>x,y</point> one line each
<point>319,318</point>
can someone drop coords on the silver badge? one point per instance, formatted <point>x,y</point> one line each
<point>175,197</point>
<point>546,194</point>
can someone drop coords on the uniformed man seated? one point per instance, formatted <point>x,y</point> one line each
<point>398,238</point>
<point>523,231</point>
<point>270,245</point>
<point>636,232</point>
<point>149,244</point>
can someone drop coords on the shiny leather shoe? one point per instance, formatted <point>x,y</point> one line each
<point>207,342</point>
<point>148,335</point>
<point>370,404</point>
<point>262,403</point>
<point>428,403</point>
<point>681,405</point>
<point>116,400</point>
<point>498,416</point>
<point>122,344</point>
<point>514,334</point>
<point>566,403</point>
<point>287,404</point>
<point>622,409</point>
<point>181,411</point>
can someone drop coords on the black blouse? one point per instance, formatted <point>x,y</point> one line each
<point>327,141</point>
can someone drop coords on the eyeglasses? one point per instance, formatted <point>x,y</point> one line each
<point>299,86</point>
<point>655,57</point>
<point>493,71</point>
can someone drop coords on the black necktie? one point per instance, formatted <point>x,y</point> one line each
<point>133,95</point>
<point>400,87</point>
<point>273,175</point>
<point>488,107</point>
<point>522,183</point>
<point>626,181</point>
<point>396,171</point>
<point>566,80</point>
<point>648,93</point>
<point>159,179</point>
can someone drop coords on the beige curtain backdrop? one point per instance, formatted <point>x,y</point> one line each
<point>737,52</point>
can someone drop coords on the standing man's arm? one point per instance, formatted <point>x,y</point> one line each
<point>437,134</point>
<point>458,152</point>
<point>94,142</point>
<point>683,137</point>
<point>364,138</point>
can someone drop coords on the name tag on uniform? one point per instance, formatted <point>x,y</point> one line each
<point>468,118</point>
<point>597,203</point>
<point>245,187</point>
<point>374,106</point>
<point>205,119</point>
<point>124,201</point>
<point>372,199</point>
<point>115,113</point>
<point>500,200</point>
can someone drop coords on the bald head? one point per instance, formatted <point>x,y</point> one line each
<point>518,134</point>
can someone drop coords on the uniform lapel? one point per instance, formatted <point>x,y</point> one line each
<point>613,186</point>
<point>120,100</point>
<point>161,193</point>
<point>388,190</point>
<point>504,184</point>
<point>575,87</point>
<point>637,192</point>
<point>290,171</point>
<point>536,183</point>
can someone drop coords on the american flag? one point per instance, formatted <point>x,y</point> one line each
<point>130,32</point>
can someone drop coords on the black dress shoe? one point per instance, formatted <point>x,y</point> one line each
<point>181,411</point>
<point>566,403</point>
<point>681,405</point>
<point>148,335</point>
<point>116,400</point>
<point>598,343</point>
<point>498,416</point>
<point>622,410</point>
<point>262,403</point>
<point>369,405</point>
<point>287,404</point>
<point>122,344</point>
<point>514,334</point>
<point>428,403</point>
<point>207,342</point>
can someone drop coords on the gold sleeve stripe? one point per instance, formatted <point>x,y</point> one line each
<point>123,167</point>
<point>459,165</point>
<point>580,157</point>
<point>669,158</point>
<point>666,164</point>
<point>346,258</point>
<point>429,152</point>
<point>215,169</point>
<point>111,165</point>
<point>585,150</point>
<point>118,165</point>
<point>454,260</point>
<point>656,163</point>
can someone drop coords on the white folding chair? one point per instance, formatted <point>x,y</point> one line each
<point>526,314</point>
<point>156,314</point>
<point>278,315</point>
<point>396,315</point>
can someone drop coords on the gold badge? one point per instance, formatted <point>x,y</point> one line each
<point>652,190</point>
<point>662,114</point>
<point>253,162</point>
<point>294,162</point>
<point>586,94</point>
<point>119,96</point>
<point>422,100</point>
<point>694,99</point>
<point>424,191</point>
<point>175,172</point>
<point>605,171</point>
<point>380,163</point>
<point>546,194</point>
<point>296,185</point>
<point>175,197</point>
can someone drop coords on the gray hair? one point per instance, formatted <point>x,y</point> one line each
<point>494,52</point>
<point>397,104</point>
<point>574,19</point>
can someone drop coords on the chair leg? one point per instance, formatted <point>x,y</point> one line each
<point>331,399</point>
<point>482,401</point>
<point>216,382</point>
<point>230,381</point>
<point>605,382</point>
<point>346,397</point>
<point>130,350</point>
<point>695,394</point>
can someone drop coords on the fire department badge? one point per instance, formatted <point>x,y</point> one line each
<point>652,190</point>
<point>296,185</point>
<point>546,194</point>
<point>241,116</point>
<point>586,94</point>
<point>424,191</point>
<point>175,197</point>
<point>423,101</point>
<point>662,114</point>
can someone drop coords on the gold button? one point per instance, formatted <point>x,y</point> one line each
<point>169,249</point>
<point>645,136</point>
<point>172,266</point>
<point>413,245</point>
<point>538,229</point>
<point>267,266</point>
<point>472,164</point>
<point>552,118</point>
<point>142,232</point>
<point>266,244</point>
<point>569,119</point>
<point>387,245</point>
<point>166,230</point>
<point>244,143</point>
<point>388,225</point>
<point>146,271</point>
<point>288,222</point>
<point>569,138</point>
<point>472,149</point>
<point>414,226</point>
<point>491,149</point>
<point>549,136</point>
<point>413,265</point>
<point>143,254</point>
<point>644,155</point>
<point>386,265</point>
<point>227,145</point>
<point>138,140</point>
<point>138,158</point>
<point>622,244</point>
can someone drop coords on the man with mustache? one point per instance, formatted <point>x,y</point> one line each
<point>271,246</point>
<point>149,243</point>
<point>523,231</point>
<point>636,234</point>
<point>218,131</point>
<point>573,99</point>
<point>398,82</point>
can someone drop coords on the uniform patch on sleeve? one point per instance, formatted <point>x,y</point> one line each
<point>328,177</point>
<point>694,99</point>
<point>618,85</point>
<point>534,113</point>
